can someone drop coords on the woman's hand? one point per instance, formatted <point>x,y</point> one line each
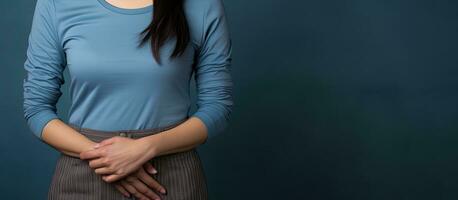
<point>116,157</point>
<point>139,184</point>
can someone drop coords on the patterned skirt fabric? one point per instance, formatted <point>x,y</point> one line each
<point>180,173</point>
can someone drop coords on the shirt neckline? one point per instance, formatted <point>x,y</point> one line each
<point>129,11</point>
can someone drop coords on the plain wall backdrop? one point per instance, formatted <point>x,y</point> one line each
<point>334,99</point>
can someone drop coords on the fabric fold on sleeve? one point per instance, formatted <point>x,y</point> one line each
<point>214,83</point>
<point>44,66</point>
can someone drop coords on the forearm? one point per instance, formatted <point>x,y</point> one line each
<point>65,139</point>
<point>183,137</point>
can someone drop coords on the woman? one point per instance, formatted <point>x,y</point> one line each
<point>130,65</point>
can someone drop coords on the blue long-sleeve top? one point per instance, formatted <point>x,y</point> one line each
<point>116,85</point>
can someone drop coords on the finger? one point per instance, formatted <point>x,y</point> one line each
<point>97,163</point>
<point>105,142</point>
<point>122,189</point>
<point>149,167</point>
<point>112,177</point>
<point>132,190</point>
<point>96,145</point>
<point>150,181</point>
<point>91,154</point>
<point>141,187</point>
<point>104,171</point>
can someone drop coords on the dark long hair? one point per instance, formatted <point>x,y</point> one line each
<point>168,20</point>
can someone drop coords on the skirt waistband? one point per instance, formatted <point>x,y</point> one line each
<point>131,133</point>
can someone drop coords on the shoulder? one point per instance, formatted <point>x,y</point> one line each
<point>200,12</point>
<point>45,5</point>
<point>204,6</point>
<point>52,4</point>
<point>74,6</point>
<point>50,8</point>
<point>205,2</point>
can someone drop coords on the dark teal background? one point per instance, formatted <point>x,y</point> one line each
<point>335,99</point>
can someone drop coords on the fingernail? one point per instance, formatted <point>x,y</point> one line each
<point>96,145</point>
<point>152,171</point>
<point>162,190</point>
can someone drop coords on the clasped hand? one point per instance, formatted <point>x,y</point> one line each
<point>116,157</point>
<point>124,162</point>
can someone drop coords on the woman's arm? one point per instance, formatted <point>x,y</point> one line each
<point>45,63</point>
<point>214,89</point>
<point>65,139</point>
<point>183,137</point>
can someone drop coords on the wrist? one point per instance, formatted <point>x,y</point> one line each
<point>89,146</point>
<point>151,142</point>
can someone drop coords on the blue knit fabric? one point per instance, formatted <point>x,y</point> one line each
<point>116,85</point>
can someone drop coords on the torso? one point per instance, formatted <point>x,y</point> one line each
<point>115,85</point>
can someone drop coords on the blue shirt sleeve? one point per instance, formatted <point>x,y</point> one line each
<point>44,65</point>
<point>213,72</point>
